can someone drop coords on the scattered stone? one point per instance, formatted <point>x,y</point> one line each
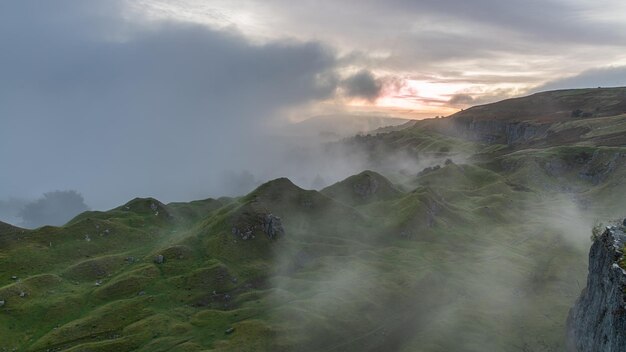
<point>87,238</point>
<point>13,277</point>
<point>448,162</point>
<point>229,331</point>
<point>130,260</point>
<point>624,222</point>
<point>141,293</point>
<point>245,234</point>
<point>159,259</point>
<point>23,294</point>
<point>2,303</point>
<point>99,282</point>
<point>233,280</point>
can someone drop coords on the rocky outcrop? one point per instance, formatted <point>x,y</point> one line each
<point>494,131</point>
<point>269,224</point>
<point>272,226</point>
<point>597,322</point>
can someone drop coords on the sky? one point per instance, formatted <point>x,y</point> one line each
<point>183,99</point>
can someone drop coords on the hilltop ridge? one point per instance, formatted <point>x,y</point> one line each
<point>438,238</point>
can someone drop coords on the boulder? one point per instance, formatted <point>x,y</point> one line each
<point>272,226</point>
<point>159,259</point>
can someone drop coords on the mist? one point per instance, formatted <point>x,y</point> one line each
<point>118,109</point>
<point>500,282</point>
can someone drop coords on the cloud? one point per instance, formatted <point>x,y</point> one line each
<point>10,210</point>
<point>614,76</point>
<point>461,99</point>
<point>545,38</point>
<point>362,85</point>
<point>54,208</point>
<point>118,108</point>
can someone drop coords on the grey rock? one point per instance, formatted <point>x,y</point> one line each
<point>597,321</point>
<point>492,131</point>
<point>23,294</point>
<point>246,234</point>
<point>229,331</point>
<point>159,259</point>
<point>273,226</point>
<point>2,303</point>
<point>599,167</point>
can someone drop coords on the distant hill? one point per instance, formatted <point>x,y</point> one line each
<point>526,120</point>
<point>462,240</point>
<point>368,186</point>
<point>551,106</point>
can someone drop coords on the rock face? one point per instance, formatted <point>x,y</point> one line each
<point>498,131</point>
<point>597,322</point>
<point>268,224</point>
<point>272,226</point>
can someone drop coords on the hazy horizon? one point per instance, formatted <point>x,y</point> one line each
<point>120,99</point>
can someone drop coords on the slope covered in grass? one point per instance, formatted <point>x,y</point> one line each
<point>450,245</point>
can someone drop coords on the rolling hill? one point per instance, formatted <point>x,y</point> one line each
<point>465,244</point>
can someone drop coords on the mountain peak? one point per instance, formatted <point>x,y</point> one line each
<point>367,186</point>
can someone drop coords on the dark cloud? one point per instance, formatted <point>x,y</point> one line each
<point>362,85</point>
<point>483,35</point>
<point>121,109</point>
<point>600,77</point>
<point>54,208</point>
<point>461,99</point>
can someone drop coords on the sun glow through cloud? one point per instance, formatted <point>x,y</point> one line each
<point>487,70</point>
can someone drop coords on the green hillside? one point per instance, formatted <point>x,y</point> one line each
<point>468,246</point>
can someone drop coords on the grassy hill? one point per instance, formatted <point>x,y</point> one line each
<point>452,244</point>
<point>552,106</point>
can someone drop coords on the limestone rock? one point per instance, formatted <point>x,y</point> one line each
<point>597,321</point>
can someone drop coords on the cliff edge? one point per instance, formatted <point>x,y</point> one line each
<point>597,321</point>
